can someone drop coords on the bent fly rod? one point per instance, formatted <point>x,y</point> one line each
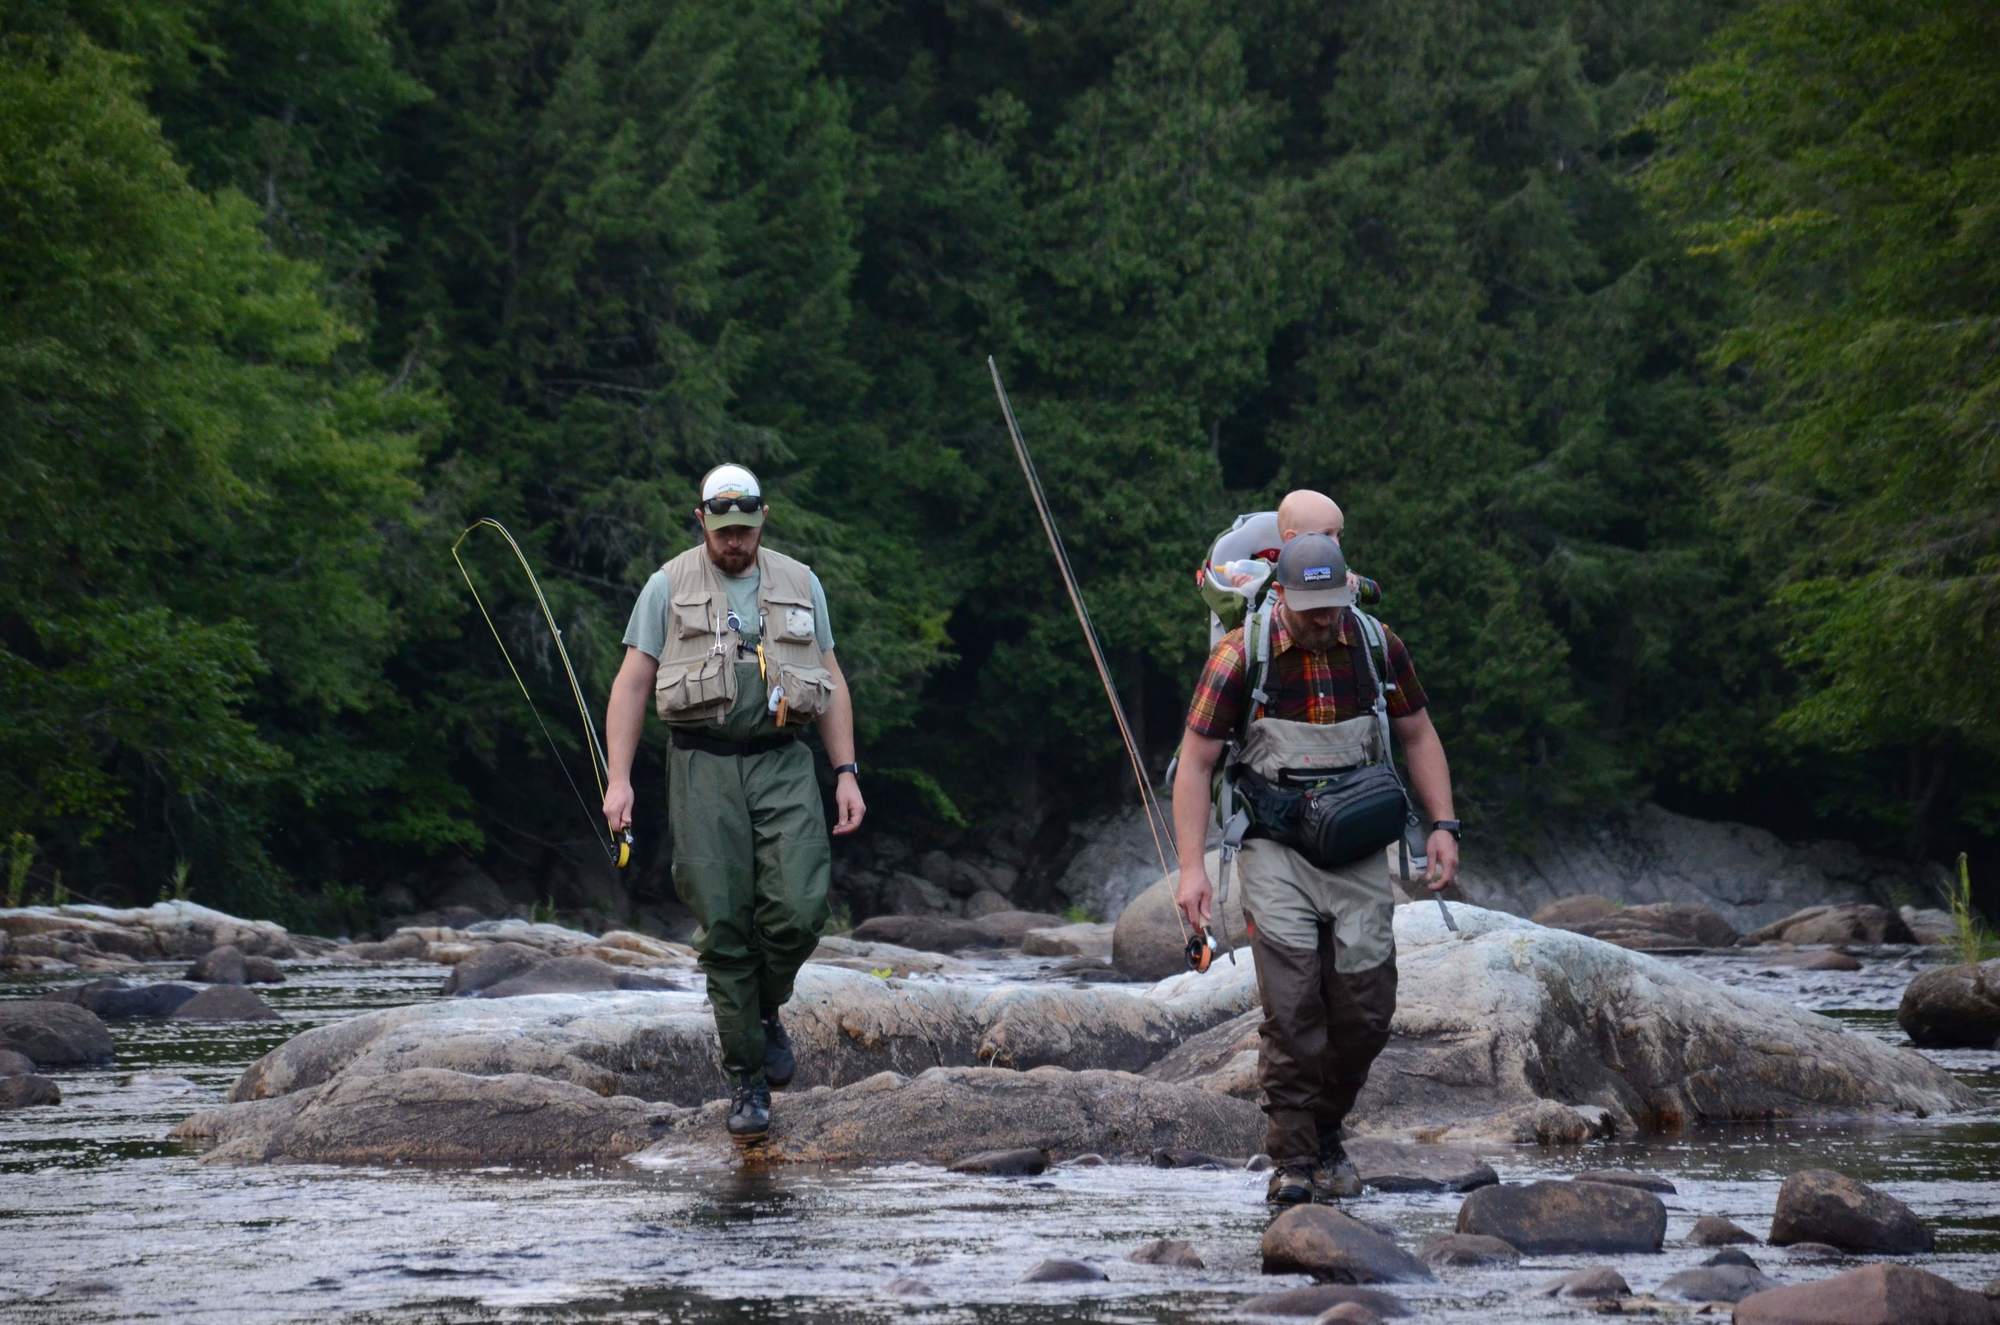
<point>1157,820</point>
<point>619,849</point>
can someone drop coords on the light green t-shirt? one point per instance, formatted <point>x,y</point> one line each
<point>647,630</point>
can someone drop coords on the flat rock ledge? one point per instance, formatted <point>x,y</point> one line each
<point>102,938</point>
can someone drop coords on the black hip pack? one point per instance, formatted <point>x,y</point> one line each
<point>1334,820</point>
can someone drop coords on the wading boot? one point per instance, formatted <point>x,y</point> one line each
<point>1291,1184</point>
<point>779,1063</point>
<point>750,1111</point>
<point>1334,1177</point>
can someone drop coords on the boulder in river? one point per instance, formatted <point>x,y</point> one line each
<point>928,933</point>
<point>13,1064</point>
<point>229,965</point>
<point>1319,1298</point>
<point>1147,942</point>
<point>1851,923</point>
<point>1170,1252</point>
<point>1653,926</point>
<point>1820,1205</point>
<point>1062,1270</point>
<point>1468,1249</point>
<point>114,1000</point>
<point>224,1003</point>
<point>489,965</point>
<point>1079,940</point>
<point>1011,928</point>
<point>1715,1283</point>
<point>1397,1166</point>
<point>574,975</point>
<point>1954,1006</point>
<point>1336,1248</point>
<point>1593,1281</point>
<point>1645,1182</point>
<point>54,1034</point>
<point>26,1090</point>
<point>1715,1231</point>
<point>1872,1295</point>
<point>1553,1218</point>
<point>1004,1163</point>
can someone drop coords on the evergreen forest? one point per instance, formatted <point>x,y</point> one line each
<point>1652,348</point>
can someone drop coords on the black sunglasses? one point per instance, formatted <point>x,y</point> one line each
<point>723,505</point>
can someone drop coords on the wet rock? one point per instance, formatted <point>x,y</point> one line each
<point>1164,1158</point>
<point>986,902</point>
<point>574,975</point>
<point>1084,1161</point>
<point>158,1081</point>
<point>1542,1218</point>
<point>1542,1123</point>
<point>1715,1283</point>
<point>114,1000</point>
<point>262,971</point>
<point>873,958</point>
<point>1168,1251</point>
<point>225,1003</point>
<point>1347,1313</point>
<point>1715,1231</point>
<point>1063,1271</point>
<point>1146,941</point>
<point>1003,1163</point>
<point>1930,924</point>
<point>1592,1282</point>
<point>1852,923</point>
<point>927,933</point>
<point>1335,1247</point>
<point>1010,928</point>
<point>1953,1006</point>
<point>943,1112</point>
<point>1823,959</point>
<point>1569,912</point>
<point>1731,1256</point>
<point>905,1286</point>
<point>25,1090</point>
<point>1084,940</point>
<point>1814,1251</point>
<point>54,1034</point>
<point>1656,926</point>
<point>488,965</point>
<point>1820,1205</point>
<point>1872,1295</point>
<point>165,931</point>
<point>1645,1182</point>
<point>403,946</point>
<point>1397,1166</point>
<point>220,966</point>
<point>1467,1249</point>
<point>427,1116</point>
<point>13,1064</point>
<point>1320,1298</point>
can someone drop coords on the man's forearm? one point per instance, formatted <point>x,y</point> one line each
<point>624,716</point>
<point>1191,804</point>
<point>836,726</point>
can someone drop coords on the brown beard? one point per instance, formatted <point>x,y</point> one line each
<point>1310,637</point>
<point>733,559</point>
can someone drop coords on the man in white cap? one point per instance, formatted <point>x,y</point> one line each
<point>732,641</point>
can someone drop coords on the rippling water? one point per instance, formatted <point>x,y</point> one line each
<point>102,1219</point>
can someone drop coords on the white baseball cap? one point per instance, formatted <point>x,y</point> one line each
<point>730,496</point>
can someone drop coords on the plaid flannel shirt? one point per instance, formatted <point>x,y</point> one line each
<point>1303,687</point>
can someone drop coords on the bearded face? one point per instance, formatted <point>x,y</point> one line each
<point>1316,631</point>
<point>733,549</point>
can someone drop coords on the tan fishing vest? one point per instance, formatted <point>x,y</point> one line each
<point>697,677</point>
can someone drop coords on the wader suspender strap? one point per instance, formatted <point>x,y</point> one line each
<point>1235,822</point>
<point>1371,643</point>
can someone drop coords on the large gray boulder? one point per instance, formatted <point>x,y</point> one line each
<point>1336,1248</point>
<point>1551,1218</point>
<point>1149,943</point>
<point>54,1034</point>
<point>1953,1006</point>
<point>941,1113</point>
<point>1852,923</point>
<point>491,964</point>
<point>1508,1019</point>
<point>114,1000</point>
<point>1820,1205</point>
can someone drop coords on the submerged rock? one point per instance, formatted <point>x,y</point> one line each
<point>224,1003</point>
<point>1544,1218</point>
<point>1715,1231</point>
<point>1319,1298</point>
<point>1332,1246</point>
<point>1954,1006</point>
<point>1004,1163</point>
<point>1063,1271</point>
<point>1820,1205</point>
<point>114,1000</point>
<point>1591,1282</point>
<point>1168,1251</point>
<point>26,1090</point>
<point>1468,1249</point>
<point>1716,1283</point>
<point>54,1034</point>
<point>1872,1295</point>
<point>1645,1182</point>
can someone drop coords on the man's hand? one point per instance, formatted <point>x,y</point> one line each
<point>1195,896</point>
<point>847,801</point>
<point>618,805</point>
<point>1442,849</point>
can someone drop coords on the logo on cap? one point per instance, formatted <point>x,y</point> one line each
<point>1316,574</point>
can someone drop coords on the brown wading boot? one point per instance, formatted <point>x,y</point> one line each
<point>1334,1177</point>
<point>1291,1184</point>
<point>750,1111</point>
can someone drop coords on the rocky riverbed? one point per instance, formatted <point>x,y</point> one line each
<point>110,1219</point>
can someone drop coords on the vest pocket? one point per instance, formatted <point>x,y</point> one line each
<point>694,689</point>
<point>808,690</point>
<point>692,617</point>
<point>790,620</point>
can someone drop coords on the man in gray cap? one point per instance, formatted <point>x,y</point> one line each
<point>1302,698</point>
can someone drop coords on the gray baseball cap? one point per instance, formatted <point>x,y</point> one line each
<point>1313,573</point>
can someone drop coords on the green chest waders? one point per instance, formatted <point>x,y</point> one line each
<point>751,860</point>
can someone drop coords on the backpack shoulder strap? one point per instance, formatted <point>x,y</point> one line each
<point>1257,663</point>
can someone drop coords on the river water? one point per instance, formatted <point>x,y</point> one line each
<point>103,1219</point>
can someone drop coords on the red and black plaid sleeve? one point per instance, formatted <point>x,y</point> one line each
<point>1408,696</point>
<point>1224,687</point>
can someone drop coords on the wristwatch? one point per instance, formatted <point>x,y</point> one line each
<point>1447,825</point>
<point>855,769</point>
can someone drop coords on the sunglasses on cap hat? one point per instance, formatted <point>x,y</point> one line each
<point>723,505</point>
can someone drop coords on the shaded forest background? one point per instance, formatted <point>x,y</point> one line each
<point>1650,347</point>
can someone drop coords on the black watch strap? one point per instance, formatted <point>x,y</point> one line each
<point>1448,825</point>
<point>855,769</point>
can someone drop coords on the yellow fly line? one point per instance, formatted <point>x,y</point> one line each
<point>619,850</point>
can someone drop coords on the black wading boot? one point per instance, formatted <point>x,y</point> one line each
<point>779,1063</point>
<point>1334,1177</point>
<point>1291,1184</point>
<point>750,1111</point>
